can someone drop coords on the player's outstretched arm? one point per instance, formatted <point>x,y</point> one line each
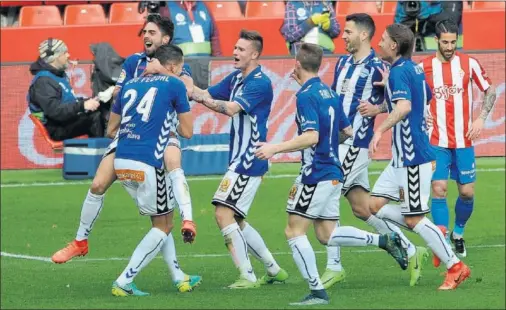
<point>202,96</point>
<point>367,109</point>
<point>488,104</point>
<point>305,140</point>
<point>402,108</point>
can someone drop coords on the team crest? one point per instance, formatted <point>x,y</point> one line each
<point>293,191</point>
<point>401,194</point>
<point>122,76</point>
<point>224,185</point>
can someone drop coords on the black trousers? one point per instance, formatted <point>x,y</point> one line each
<point>91,124</point>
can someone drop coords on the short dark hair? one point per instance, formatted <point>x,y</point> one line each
<point>255,37</point>
<point>165,25</point>
<point>446,26</point>
<point>310,57</point>
<point>169,53</point>
<point>404,37</point>
<point>363,20</point>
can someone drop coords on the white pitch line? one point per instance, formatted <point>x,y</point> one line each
<point>192,179</point>
<point>48,259</point>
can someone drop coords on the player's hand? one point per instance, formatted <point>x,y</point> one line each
<point>265,150</point>
<point>367,109</point>
<point>188,82</point>
<point>373,146</point>
<point>91,104</point>
<point>385,72</point>
<point>153,67</point>
<point>317,18</point>
<point>294,76</point>
<point>429,120</point>
<point>189,231</point>
<point>475,130</point>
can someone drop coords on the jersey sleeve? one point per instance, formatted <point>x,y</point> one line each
<point>255,92</point>
<point>399,85</point>
<point>181,104</point>
<point>307,113</point>
<point>479,76</point>
<point>378,92</point>
<point>126,73</point>
<point>221,91</point>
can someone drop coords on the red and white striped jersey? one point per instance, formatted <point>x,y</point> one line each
<point>452,97</point>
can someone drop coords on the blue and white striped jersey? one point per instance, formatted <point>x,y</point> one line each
<point>410,140</point>
<point>254,94</point>
<point>353,81</point>
<point>318,109</point>
<point>148,107</point>
<point>135,65</point>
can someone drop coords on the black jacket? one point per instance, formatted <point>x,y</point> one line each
<point>47,94</point>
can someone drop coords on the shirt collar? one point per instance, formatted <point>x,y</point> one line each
<point>308,83</point>
<point>371,55</point>
<point>399,61</point>
<point>250,75</point>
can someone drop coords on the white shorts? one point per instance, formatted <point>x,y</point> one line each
<point>237,191</point>
<point>315,201</point>
<point>355,162</point>
<point>173,140</point>
<point>150,187</point>
<point>394,183</point>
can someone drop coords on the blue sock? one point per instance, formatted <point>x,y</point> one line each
<point>440,213</point>
<point>463,211</point>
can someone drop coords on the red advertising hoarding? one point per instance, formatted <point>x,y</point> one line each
<point>23,147</point>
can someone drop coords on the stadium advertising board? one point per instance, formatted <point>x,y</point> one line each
<point>23,147</point>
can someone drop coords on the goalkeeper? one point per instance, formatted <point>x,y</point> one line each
<point>310,22</point>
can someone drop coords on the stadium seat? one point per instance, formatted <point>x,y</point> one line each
<point>57,146</point>
<point>266,9</point>
<point>125,12</point>
<point>349,7</point>
<point>59,2</point>
<point>389,7</point>
<point>44,15</point>
<point>84,14</point>
<point>19,3</point>
<point>224,9</point>
<point>489,5</point>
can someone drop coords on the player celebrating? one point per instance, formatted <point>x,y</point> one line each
<point>450,75</point>
<point>355,77</point>
<point>157,31</point>
<point>246,96</point>
<point>315,195</point>
<point>407,178</point>
<point>148,108</point>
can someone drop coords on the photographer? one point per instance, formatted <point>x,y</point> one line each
<point>417,15</point>
<point>52,99</point>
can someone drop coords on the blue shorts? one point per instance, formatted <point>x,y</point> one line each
<point>458,163</point>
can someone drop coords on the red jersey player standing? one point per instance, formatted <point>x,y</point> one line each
<point>451,76</point>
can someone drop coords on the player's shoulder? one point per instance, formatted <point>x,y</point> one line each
<point>377,62</point>
<point>261,77</point>
<point>135,57</point>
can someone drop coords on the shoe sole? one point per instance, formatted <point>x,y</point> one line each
<point>191,287</point>
<point>68,260</point>
<point>466,274</point>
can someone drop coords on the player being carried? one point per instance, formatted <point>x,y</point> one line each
<point>451,76</point>
<point>149,107</point>
<point>408,176</point>
<point>157,31</point>
<point>314,197</point>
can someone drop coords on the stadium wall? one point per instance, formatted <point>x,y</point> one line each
<point>483,30</point>
<point>23,147</point>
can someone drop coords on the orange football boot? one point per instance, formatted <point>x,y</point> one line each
<point>73,249</point>
<point>457,274</point>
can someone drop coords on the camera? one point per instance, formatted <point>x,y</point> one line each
<point>412,8</point>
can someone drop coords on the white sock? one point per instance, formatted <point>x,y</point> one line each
<point>436,241</point>
<point>236,244</point>
<point>334,258</point>
<point>305,260</point>
<point>378,224</point>
<point>90,211</point>
<point>393,214</point>
<point>181,193</point>
<point>144,253</point>
<point>257,248</point>
<point>169,256</point>
<point>351,236</point>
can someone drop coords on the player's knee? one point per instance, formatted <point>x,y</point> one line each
<point>361,211</point>
<point>223,216</point>
<point>322,237</point>
<point>467,192</point>
<point>412,220</point>
<point>375,205</point>
<point>292,232</point>
<point>172,158</point>
<point>99,186</point>
<point>439,189</point>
